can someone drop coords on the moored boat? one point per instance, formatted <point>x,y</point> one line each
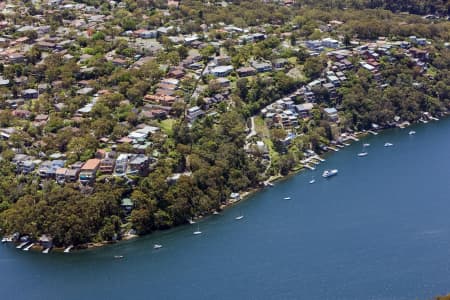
<point>21,245</point>
<point>329,173</point>
<point>28,247</point>
<point>67,250</point>
<point>7,239</point>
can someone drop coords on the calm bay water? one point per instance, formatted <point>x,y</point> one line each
<point>378,230</point>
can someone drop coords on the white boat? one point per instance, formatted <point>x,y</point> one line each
<point>157,246</point>
<point>388,144</point>
<point>20,246</point>
<point>216,213</point>
<point>412,132</point>
<point>366,145</point>
<point>197,232</point>
<point>240,217</point>
<point>7,239</point>
<point>287,198</point>
<point>312,181</point>
<point>28,247</point>
<point>329,173</point>
<point>362,154</point>
<point>67,250</point>
<point>118,256</point>
<point>46,250</point>
<point>191,221</point>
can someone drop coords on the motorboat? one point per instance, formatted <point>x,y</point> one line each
<point>157,246</point>
<point>197,232</point>
<point>362,154</point>
<point>287,198</point>
<point>412,132</point>
<point>329,173</point>
<point>388,144</point>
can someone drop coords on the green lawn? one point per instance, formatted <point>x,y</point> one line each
<point>261,128</point>
<point>166,126</point>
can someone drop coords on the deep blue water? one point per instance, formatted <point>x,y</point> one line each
<point>378,230</point>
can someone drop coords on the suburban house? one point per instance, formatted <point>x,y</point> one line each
<point>121,164</point>
<point>221,71</point>
<point>48,169</point>
<point>61,175</point>
<point>262,66</point>
<point>127,204</point>
<point>138,164</point>
<point>304,110</point>
<point>246,71</point>
<point>107,165</point>
<point>30,94</point>
<point>222,60</point>
<point>194,112</point>
<point>89,170</point>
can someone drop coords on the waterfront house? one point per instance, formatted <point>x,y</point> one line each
<point>46,241</point>
<point>332,114</point>
<point>234,197</point>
